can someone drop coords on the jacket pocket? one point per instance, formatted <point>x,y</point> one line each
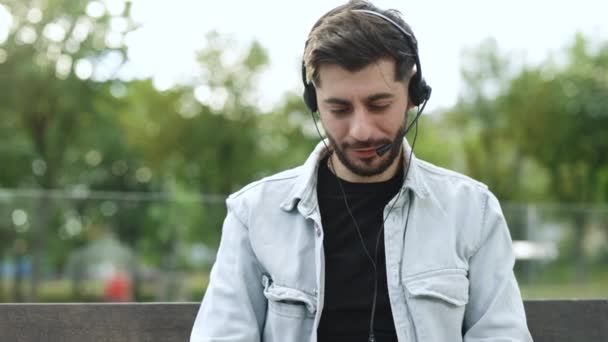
<point>288,301</point>
<point>437,302</point>
<point>290,315</point>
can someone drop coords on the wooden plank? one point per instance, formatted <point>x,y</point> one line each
<point>568,320</point>
<point>97,322</point>
<point>549,321</point>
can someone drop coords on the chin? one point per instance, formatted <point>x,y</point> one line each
<point>365,169</point>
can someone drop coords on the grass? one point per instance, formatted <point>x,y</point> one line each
<point>59,291</point>
<point>594,290</point>
<point>562,283</point>
<point>194,286</point>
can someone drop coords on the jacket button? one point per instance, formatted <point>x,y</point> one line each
<point>318,231</point>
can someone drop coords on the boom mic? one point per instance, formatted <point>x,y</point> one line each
<point>380,151</point>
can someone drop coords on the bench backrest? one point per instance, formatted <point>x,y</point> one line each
<point>549,321</point>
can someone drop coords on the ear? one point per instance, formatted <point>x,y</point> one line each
<point>410,105</point>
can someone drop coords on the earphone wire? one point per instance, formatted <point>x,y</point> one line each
<point>373,314</point>
<point>373,261</point>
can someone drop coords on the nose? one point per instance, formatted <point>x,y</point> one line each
<point>361,128</point>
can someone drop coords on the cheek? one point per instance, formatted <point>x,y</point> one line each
<point>395,124</point>
<point>387,127</point>
<point>336,128</point>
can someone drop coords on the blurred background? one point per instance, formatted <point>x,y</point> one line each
<point>124,125</point>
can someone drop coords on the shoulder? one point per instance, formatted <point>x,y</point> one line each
<point>269,191</point>
<point>467,203</point>
<point>455,190</point>
<point>279,179</point>
<point>439,179</point>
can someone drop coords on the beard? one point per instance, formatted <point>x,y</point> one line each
<point>369,167</point>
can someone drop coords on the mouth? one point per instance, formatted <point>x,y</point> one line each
<point>365,153</point>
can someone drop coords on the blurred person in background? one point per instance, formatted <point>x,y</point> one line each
<point>118,288</point>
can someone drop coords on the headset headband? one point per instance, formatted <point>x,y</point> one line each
<point>419,91</point>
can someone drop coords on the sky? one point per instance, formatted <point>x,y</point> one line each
<point>172,31</point>
<point>529,28</point>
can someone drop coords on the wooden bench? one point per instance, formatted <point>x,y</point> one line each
<point>549,321</point>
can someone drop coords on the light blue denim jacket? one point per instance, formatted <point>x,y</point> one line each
<point>450,277</point>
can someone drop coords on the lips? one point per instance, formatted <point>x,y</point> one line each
<point>365,153</point>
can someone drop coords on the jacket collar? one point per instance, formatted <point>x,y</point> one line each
<point>304,195</point>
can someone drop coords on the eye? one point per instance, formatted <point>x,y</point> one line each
<point>339,110</point>
<point>379,107</point>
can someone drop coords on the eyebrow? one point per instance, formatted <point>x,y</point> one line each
<point>371,98</point>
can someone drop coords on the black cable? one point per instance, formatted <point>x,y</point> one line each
<point>372,337</point>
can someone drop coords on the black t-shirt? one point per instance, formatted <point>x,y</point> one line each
<point>349,274</point>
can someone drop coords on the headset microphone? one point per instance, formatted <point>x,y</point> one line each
<point>380,151</point>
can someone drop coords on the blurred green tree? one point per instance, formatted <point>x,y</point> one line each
<point>537,133</point>
<point>57,55</point>
<point>558,114</point>
<point>479,117</point>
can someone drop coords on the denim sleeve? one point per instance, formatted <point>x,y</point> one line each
<point>233,308</point>
<point>495,310</point>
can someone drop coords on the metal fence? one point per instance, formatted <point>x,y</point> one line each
<point>80,245</point>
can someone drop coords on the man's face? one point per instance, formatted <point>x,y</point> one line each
<point>360,112</point>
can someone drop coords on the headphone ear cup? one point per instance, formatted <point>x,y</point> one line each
<point>310,97</point>
<point>419,92</point>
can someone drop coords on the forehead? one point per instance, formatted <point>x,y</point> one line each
<point>379,76</point>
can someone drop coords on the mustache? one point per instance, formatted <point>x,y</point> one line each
<point>366,144</point>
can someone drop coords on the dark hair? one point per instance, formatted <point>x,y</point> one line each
<point>354,40</point>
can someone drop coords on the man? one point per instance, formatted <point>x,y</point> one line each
<point>364,242</point>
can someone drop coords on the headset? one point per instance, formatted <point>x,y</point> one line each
<point>419,93</point>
